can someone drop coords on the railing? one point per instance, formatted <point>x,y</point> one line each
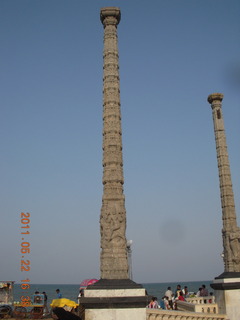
<point>201,307</point>
<point>200,300</point>
<point>160,314</point>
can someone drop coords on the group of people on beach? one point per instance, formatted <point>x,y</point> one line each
<point>42,298</point>
<point>170,298</point>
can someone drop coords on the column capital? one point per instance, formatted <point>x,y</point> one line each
<point>215,96</point>
<point>110,15</point>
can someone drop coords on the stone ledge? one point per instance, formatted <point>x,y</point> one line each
<point>114,284</point>
<point>225,286</point>
<point>225,275</point>
<point>115,302</point>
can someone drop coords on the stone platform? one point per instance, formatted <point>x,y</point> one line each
<point>115,299</point>
<point>227,294</point>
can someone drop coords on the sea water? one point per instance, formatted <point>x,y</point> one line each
<point>71,291</point>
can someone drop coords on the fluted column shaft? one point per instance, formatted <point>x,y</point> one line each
<point>114,263</point>
<point>230,231</point>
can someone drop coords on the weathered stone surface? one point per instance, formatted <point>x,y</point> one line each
<point>114,264</point>
<point>230,231</point>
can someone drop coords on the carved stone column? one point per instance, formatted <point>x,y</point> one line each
<point>114,263</point>
<point>230,231</point>
<point>114,296</point>
<point>227,285</point>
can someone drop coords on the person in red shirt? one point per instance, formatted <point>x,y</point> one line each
<point>181,297</point>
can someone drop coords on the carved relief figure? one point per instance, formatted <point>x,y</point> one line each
<point>234,238</point>
<point>113,226</point>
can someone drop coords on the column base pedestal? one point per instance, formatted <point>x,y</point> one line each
<point>227,294</point>
<point>110,299</point>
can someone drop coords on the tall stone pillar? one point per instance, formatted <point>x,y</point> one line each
<point>114,296</point>
<point>114,264</point>
<point>230,231</point>
<point>227,285</point>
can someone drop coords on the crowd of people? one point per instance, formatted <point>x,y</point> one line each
<point>170,298</point>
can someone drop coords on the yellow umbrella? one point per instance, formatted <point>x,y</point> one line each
<point>62,303</point>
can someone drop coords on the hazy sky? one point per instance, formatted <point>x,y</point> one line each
<point>173,54</point>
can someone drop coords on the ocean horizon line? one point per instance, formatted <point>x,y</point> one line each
<point>150,282</point>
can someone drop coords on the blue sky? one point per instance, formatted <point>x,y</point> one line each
<point>173,54</point>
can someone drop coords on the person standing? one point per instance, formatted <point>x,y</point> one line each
<point>166,303</point>
<point>199,292</point>
<point>162,303</point>
<point>81,294</point>
<point>59,295</point>
<point>155,305</point>
<point>204,291</point>
<point>178,290</point>
<point>181,297</point>
<point>169,294</point>
<point>185,291</point>
<point>45,308</point>
<point>151,303</point>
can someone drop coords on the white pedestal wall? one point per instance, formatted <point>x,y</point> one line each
<point>228,298</point>
<point>115,313</point>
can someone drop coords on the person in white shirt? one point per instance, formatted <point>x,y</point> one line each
<point>170,295</point>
